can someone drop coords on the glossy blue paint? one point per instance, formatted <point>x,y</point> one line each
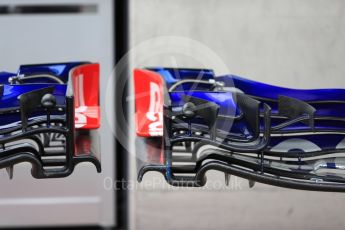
<point>172,75</point>
<point>60,70</point>
<point>332,104</point>
<point>4,77</point>
<point>331,165</point>
<point>263,90</point>
<point>11,92</point>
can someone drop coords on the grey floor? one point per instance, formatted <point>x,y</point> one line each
<point>160,206</point>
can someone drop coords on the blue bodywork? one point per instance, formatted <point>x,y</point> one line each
<point>60,70</point>
<point>38,119</point>
<point>329,105</point>
<point>293,138</point>
<point>9,106</point>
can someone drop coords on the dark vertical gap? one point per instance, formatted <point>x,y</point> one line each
<point>121,154</point>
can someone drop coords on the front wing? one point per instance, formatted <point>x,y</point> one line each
<point>50,119</point>
<point>192,121</point>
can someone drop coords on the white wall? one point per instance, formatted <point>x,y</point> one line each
<point>295,43</point>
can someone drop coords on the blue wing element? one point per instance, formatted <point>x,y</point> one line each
<point>292,138</point>
<point>37,121</point>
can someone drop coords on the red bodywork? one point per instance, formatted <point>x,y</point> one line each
<point>86,96</point>
<point>148,103</point>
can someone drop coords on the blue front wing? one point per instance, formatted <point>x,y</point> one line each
<point>285,137</point>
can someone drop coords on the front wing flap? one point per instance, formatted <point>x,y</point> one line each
<point>55,126</point>
<point>270,141</point>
